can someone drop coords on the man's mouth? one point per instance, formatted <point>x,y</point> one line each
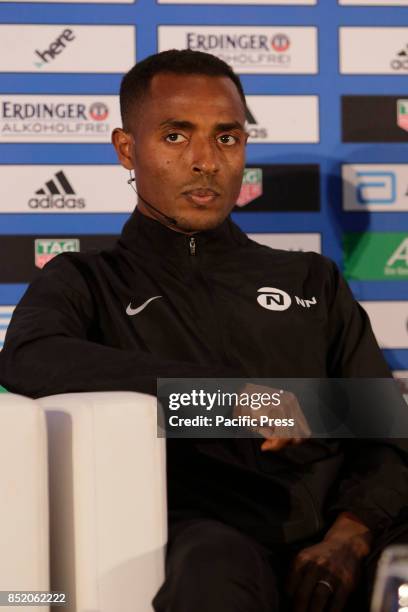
<point>201,195</point>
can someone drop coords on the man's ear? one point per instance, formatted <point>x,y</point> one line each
<point>123,143</point>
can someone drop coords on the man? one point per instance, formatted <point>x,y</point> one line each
<point>291,528</point>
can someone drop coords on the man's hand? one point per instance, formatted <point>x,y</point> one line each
<point>336,561</point>
<point>277,437</point>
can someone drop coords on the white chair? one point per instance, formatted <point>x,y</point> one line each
<point>108,512</point>
<point>24,542</point>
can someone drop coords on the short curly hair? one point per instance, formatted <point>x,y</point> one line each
<point>135,83</point>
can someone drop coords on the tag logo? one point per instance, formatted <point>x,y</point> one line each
<point>273,299</point>
<point>46,249</point>
<point>251,187</point>
<point>402,114</point>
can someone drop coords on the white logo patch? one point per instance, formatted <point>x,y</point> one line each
<point>276,299</point>
<point>134,311</point>
<point>273,299</point>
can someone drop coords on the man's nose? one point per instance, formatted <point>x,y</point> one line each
<point>205,158</point>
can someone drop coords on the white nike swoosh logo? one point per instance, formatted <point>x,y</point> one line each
<point>134,311</point>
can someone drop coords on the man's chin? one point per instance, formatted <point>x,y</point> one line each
<point>201,220</point>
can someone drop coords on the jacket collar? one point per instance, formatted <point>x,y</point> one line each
<point>141,232</point>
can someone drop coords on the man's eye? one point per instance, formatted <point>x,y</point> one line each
<point>228,139</point>
<point>175,138</point>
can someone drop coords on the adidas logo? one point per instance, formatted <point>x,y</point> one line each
<point>249,117</point>
<point>401,60</point>
<point>403,52</point>
<point>58,193</point>
<point>253,129</point>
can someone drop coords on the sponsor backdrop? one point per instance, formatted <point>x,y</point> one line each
<point>327,163</point>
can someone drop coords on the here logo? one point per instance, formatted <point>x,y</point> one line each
<point>55,48</point>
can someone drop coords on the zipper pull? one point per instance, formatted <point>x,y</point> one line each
<point>192,244</point>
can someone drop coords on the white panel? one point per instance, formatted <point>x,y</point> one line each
<point>374,2</point>
<point>390,323</point>
<point>66,48</point>
<point>283,119</point>
<point>97,188</point>
<point>374,50</point>
<point>280,2</point>
<point>375,187</point>
<point>290,241</point>
<point>58,118</point>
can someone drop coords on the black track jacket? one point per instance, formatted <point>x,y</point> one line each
<point>79,327</point>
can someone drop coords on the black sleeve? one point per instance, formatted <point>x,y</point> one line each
<point>374,483</point>
<point>47,349</point>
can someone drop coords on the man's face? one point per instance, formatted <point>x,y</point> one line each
<point>187,147</point>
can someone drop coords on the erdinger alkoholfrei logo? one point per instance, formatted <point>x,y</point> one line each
<point>272,298</point>
<point>251,187</point>
<point>53,118</point>
<point>254,130</point>
<point>56,47</point>
<point>402,114</point>
<point>400,62</point>
<point>12,111</point>
<point>57,193</point>
<point>243,49</point>
<point>46,249</point>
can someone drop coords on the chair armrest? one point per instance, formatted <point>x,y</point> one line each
<point>108,506</point>
<point>24,543</point>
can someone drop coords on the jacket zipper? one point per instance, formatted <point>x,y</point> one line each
<point>192,245</point>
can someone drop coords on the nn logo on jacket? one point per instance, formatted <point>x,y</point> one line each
<point>272,298</point>
<point>57,193</point>
<point>46,249</point>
